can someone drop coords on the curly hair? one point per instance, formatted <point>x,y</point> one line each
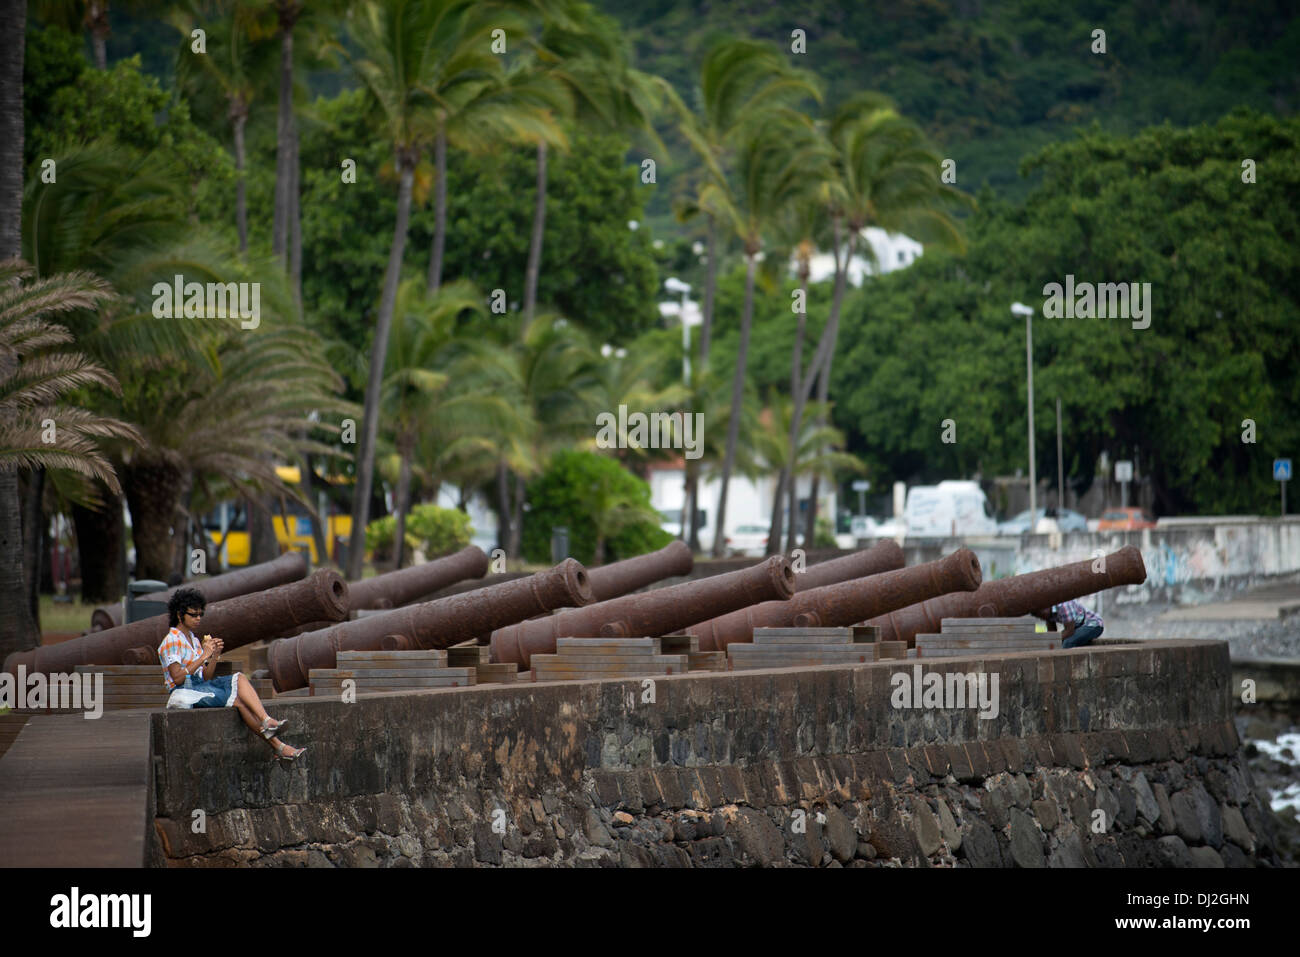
<point>182,600</point>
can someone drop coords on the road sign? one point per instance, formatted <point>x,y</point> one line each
<point>1282,470</point>
<point>1124,471</point>
<point>862,485</point>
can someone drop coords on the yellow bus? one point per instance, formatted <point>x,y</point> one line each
<point>228,524</point>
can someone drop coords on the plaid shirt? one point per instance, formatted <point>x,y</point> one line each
<point>178,648</point>
<point>1072,611</point>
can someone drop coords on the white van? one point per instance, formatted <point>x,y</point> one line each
<point>948,510</point>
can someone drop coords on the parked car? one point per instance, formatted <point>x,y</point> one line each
<point>747,540</point>
<point>864,526</point>
<point>1124,520</point>
<point>672,524</point>
<point>1067,520</point>
<point>948,509</point>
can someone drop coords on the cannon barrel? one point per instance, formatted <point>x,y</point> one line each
<point>435,624</point>
<point>884,556</point>
<point>408,584</point>
<point>648,613</point>
<point>289,567</point>
<point>237,621</point>
<point>845,602</point>
<point>1018,595</point>
<point>620,578</point>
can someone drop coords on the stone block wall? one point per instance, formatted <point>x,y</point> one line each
<point>800,766</point>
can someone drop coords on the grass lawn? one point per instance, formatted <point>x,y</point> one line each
<point>64,616</point>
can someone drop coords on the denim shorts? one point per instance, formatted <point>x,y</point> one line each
<point>223,689</point>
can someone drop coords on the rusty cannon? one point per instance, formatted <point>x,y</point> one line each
<point>620,578</point>
<point>845,602</point>
<point>648,614</point>
<point>289,567</point>
<point>436,624</point>
<point>400,587</point>
<point>1018,595</point>
<point>237,621</point>
<point>883,556</point>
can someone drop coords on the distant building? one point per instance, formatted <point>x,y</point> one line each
<point>891,251</point>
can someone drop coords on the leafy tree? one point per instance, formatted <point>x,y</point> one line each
<point>38,429</point>
<point>1169,207</point>
<point>604,507</point>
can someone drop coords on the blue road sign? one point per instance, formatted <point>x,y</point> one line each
<point>1282,470</point>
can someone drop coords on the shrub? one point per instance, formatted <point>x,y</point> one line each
<point>586,493</point>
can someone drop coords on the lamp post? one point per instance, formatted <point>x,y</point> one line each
<point>1020,309</point>
<point>673,284</point>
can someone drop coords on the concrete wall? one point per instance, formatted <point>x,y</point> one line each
<point>1183,561</point>
<point>807,766</point>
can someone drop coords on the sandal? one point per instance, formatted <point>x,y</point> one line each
<point>281,756</point>
<point>269,732</point>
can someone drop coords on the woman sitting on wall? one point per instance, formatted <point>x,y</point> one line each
<point>192,665</point>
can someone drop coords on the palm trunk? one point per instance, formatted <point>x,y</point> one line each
<point>810,519</point>
<point>283,140</point>
<point>18,631</point>
<point>826,352</point>
<point>153,493</point>
<point>796,414</point>
<point>535,246</point>
<point>710,283</point>
<point>239,115</point>
<point>101,549</point>
<point>403,502</point>
<point>295,224</point>
<point>31,487</point>
<point>517,520</point>
<point>97,19</point>
<point>263,543</point>
<point>737,398</point>
<point>378,356</point>
<point>434,280</point>
<point>13,22</point>
<point>503,507</point>
<point>318,519</point>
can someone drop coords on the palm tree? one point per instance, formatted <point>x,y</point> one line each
<point>434,380</point>
<point>772,173</point>
<point>742,82</point>
<point>631,377</point>
<point>396,64</point>
<point>589,57</point>
<point>815,449</point>
<point>36,431</point>
<point>550,376</point>
<point>234,66</point>
<point>475,104</point>
<point>886,175</point>
<point>124,217</point>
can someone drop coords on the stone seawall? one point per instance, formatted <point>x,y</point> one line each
<point>1114,755</point>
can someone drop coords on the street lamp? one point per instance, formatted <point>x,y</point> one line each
<point>1020,309</point>
<point>673,284</point>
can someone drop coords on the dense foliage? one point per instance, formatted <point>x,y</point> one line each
<point>1168,207</point>
<point>585,493</point>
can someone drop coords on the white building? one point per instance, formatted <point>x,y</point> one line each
<point>748,502</point>
<point>891,251</point>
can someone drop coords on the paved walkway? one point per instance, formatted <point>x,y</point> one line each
<point>1268,602</point>
<point>75,792</point>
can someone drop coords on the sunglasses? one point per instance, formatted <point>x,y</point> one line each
<point>194,614</point>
